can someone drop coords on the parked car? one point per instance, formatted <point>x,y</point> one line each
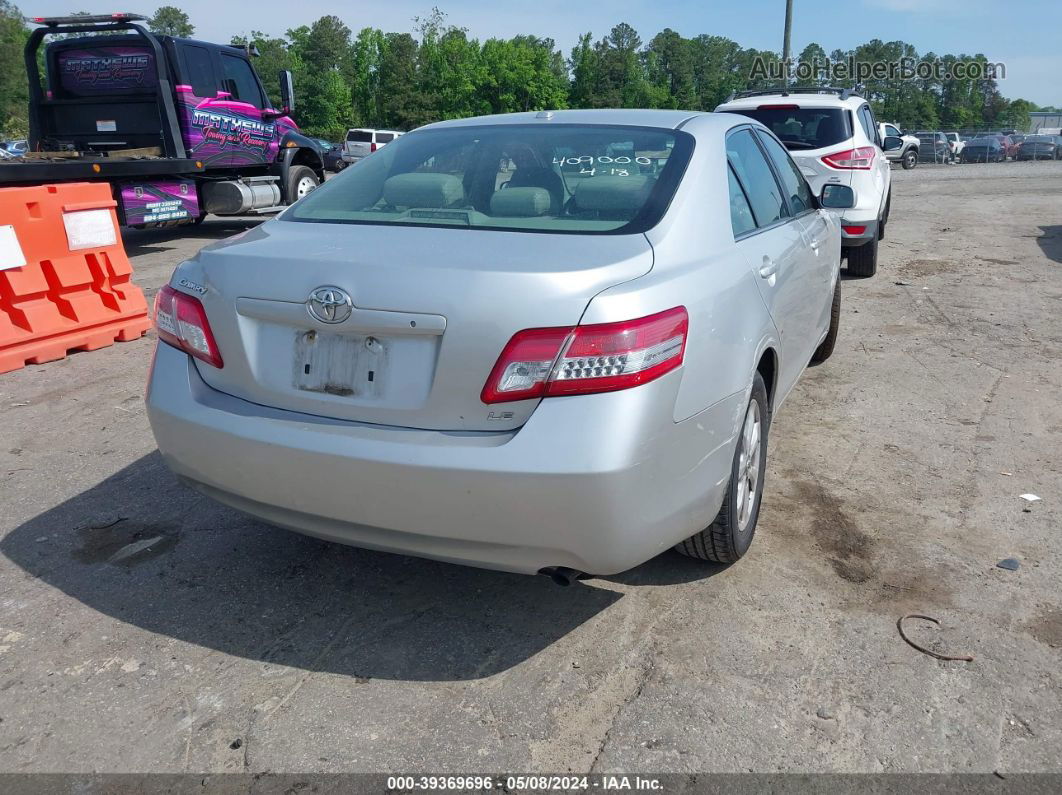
<point>832,135</point>
<point>16,147</point>
<point>984,150</point>
<point>1041,147</point>
<point>934,147</point>
<point>332,154</point>
<point>568,375</point>
<point>907,154</point>
<point>956,142</point>
<point>1010,147</point>
<point>362,141</point>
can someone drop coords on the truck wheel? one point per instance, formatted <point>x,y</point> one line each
<point>825,350</point>
<point>728,537</point>
<point>910,159</point>
<point>301,180</point>
<point>863,260</point>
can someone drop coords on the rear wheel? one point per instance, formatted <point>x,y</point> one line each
<point>863,260</point>
<point>910,159</point>
<point>301,181</point>
<point>728,538</point>
<point>825,350</point>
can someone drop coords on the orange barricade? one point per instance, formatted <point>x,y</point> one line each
<point>65,280</point>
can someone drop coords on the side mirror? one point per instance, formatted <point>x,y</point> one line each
<point>892,143</point>
<point>837,197</point>
<point>287,91</point>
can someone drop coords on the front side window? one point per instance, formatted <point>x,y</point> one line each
<point>541,178</point>
<point>796,187</point>
<point>756,177</point>
<point>240,81</point>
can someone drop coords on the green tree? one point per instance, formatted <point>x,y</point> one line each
<point>14,88</point>
<point>171,21</point>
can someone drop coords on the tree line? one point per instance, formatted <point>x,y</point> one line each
<point>438,71</point>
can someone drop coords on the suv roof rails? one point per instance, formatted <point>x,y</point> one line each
<point>785,91</point>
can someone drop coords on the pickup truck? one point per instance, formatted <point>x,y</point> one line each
<point>179,128</point>
<point>907,154</point>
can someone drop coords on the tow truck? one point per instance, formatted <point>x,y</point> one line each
<point>179,128</point>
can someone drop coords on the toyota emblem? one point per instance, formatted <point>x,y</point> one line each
<point>329,304</point>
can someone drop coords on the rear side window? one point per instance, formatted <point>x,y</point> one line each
<point>803,128</point>
<point>384,138</point>
<point>360,136</point>
<point>564,178</point>
<point>740,212</point>
<point>866,119</point>
<point>199,70</point>
<point>240,81</point>
<point>756,177</point>
<point>796,187</point>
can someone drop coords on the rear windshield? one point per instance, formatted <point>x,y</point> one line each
<point>804,128</point>
<point>1040,139</point>
<point>360,136</point>
<point>534,178</point>
<point>384,138</point>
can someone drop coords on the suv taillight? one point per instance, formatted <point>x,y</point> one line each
<point>182,323</point>
<point>861,158</point>
<point>581,360</point>
<point>372,146</point>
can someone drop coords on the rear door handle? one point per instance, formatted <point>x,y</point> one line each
<point>768,268</point>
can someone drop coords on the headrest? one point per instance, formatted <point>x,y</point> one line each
<point>613,194</point>
<point>520,202</point>
<point>424,190</point>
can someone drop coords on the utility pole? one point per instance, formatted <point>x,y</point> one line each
<point>785,38</point>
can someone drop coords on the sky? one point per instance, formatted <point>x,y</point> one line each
<point>1023,34</point>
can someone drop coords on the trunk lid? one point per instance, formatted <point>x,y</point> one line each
<point>432,310</point>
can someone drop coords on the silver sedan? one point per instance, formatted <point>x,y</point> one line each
<point>544,342</point>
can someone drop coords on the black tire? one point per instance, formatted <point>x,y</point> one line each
<point>909,160</point>
<point>726,539</point>
<point>825,350</point>
<point>297,175</point>
<point>340,165</point>
<point>863,260</point>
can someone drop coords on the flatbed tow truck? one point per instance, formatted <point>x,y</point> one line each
<point>177,127</point>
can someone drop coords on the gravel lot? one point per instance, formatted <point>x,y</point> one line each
<point>893,487</point>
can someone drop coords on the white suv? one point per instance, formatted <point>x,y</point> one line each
<point>362,142</point>
<point>833,136</point>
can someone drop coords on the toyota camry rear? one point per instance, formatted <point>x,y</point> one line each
<point>469,348</point>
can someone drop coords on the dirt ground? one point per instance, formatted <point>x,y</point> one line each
<point>893,487</point>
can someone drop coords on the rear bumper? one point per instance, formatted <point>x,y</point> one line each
<point>598,483</point>
<point>854,241</point>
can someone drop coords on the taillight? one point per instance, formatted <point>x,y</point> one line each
<point>372,147</point>
<point>861,158</point>
<point>581,360</point>
<point>778,107</point>
<point>182,323</point>
<point>855,231</point>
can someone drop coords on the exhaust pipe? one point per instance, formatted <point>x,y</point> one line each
<point>561,575</point>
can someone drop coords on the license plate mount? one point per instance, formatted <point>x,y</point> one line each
<point>343,365</point>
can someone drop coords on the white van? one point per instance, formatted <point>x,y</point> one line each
<point>362,141</point>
